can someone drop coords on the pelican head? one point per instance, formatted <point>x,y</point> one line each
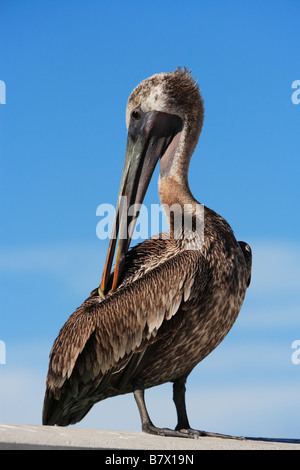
<point>164,117</point>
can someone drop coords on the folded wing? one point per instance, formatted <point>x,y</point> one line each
<point>103,335</point>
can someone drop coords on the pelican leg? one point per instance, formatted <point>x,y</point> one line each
<point>147,425</point>
<point>183,426</point>
<point>179,400</point>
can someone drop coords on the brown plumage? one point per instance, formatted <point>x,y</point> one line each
<point>171,302</point>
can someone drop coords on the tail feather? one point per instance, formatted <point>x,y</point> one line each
<point>63,414</point>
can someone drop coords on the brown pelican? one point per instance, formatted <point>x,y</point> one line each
<point>170,300</point>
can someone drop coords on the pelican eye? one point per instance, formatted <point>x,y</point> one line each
<point>136,115</point>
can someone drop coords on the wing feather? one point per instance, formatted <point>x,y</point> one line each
<point>103,334</point>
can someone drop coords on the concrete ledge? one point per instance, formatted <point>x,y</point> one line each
<point>32,437</point>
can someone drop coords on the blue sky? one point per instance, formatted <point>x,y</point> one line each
<point>69,68</point>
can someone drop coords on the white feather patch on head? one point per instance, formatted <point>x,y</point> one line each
<point>155,100</point>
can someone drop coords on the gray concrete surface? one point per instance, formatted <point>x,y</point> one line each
<point>22,436</point>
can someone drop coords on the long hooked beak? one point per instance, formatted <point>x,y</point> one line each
<point>149,134</point>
